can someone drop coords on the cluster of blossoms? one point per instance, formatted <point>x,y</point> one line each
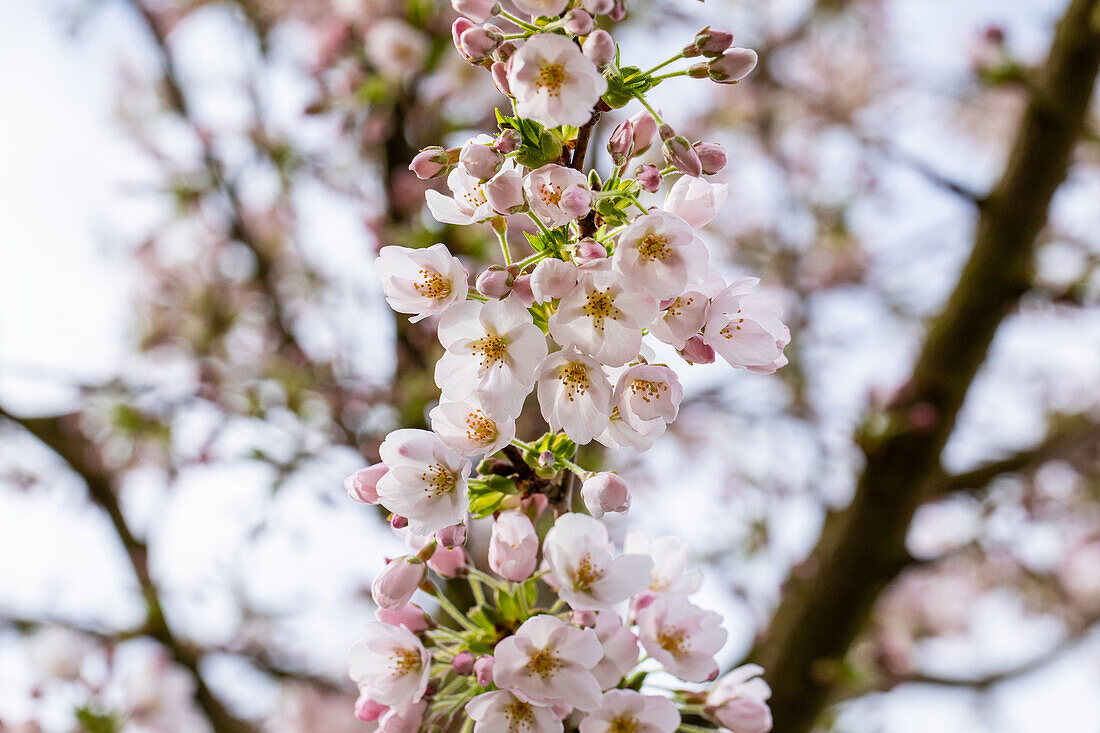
<point>553,636</point>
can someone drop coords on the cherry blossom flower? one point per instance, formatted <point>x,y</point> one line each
<point>513,546</point>
<point>403,718</point>
<point>505,192</point>
<point>627,710</point>
<point>467,204</point>
<point>552,279</point>
<point>670,574</point>
<point>553,82</point>
<point>549,662</point>
<point>647,392</point>
<point>395,585</point>
<point>744,327</point>
<point>738,701</point>
<point>544,8</point>
<point>682,319</point>
<point>603,316</point>
<point>605,492</point>
<point>579,555</point>
<point>640,436</point>
<point>544,187</point>
<point>389,664</point>
<point>695,200</point>
<point>502,712</point>
<point>422,282</point>
<point>574,394</point>
<point>659,253</point>
<point>620,649</point>
<point>426,482</point>
<point>465,427</point>
<point>682,637</point>
<point>411,616</point>
<point>493,351</point>
<point>362,486</point>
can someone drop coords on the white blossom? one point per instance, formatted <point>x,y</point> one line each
<point>660,253</point>
<point>502,712</point>
<point>574,394</point>
<point>744,327</point>
<point>426,482</point>
<point>549,662</point>
<point>682,637</point>
<point>627,710</point>
<point>579,555</point>
<point>389,664</point>
<point>465,427</point>
<point>553,82</point>
<point>422,282</point>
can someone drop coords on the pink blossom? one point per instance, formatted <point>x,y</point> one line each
<point>426,481</point>
<point>648,392</point>
<point>744,327</point>
<point>553,82</point>
<point>578,22</point>
<point>398,581</point>
<point>368,710</point>
<point>622,710</point>
<point>479,159</point>
<point>696,351</point>
<point>682,637</point>
<point>545,187</point>
<point>649,178</point>
<point>501,711</point>
<point>404,718</point>
<point>483,669</point>
<point>467,203</point>
<point>599,47</point>
<point>453,536</point>
<point>738,701</point>
<point>576,200</point>
<point>504,193</point>
<point>389,664</point>
<point>495,282</point>
<point>639,435</point>
<point>513,547</point>
<point>549,662</point>
<point>589,250</point>
<point>620,649</point>
<point>574,394</point>
<point>660,253</point>
<point>362,486</point>
<point>605,492</point>
<point>552,279</point>
<point>579,555</point>
<point>681,319</point>
<point>421,282</point>
<point>696,201</point>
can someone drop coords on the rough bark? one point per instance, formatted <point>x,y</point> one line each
<point>829,598</point>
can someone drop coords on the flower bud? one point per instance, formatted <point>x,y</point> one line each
<point>411,616</point>
<point>733,66</point>
<point>513,547</point>
<point>534,505</point>
<point>697,352</point>
<point>599,47</point>
<point>494,283</point>
<point>648,177</point>
<point>618,11</point>
<point>621,142</point>
<point>362,486</point>
<point>368,710</point>
<point>589,250</point>
<point>645,127</point>
<point>737,701</point>
<point>584,619</point>
<point>598,7</point>
<point>605,492</point>
<point>453,536</point>
<point>463,662</point>
<point>547,459</point>
<point>508,141</point>
<point>713,43</point>
<point>679,153</point>
<point>552,279</point>
<point>477,10</point>
<point>430,163</point>
<point>448,562</point>
<point>480,161</point>
<point>499,70</point>
<point>479,42</point>
<point>712,157</point>
<point>578,22</point>
<point>398,522</point>
<point>522,288</point>
<point>576,201</point>
<point>395,585</point>
<point>505,193</point>
<point>460,26</point>
<point>483,669</point>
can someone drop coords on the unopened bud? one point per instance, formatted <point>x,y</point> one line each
<point>547,459</point>
<point>362,486</point>
<point>713,42</point>
<point>460,26</point>
<point>679,153</point>
<point>479,42</point>
<point>712,157</point>
<point>648,177</point>
<point>522,288</point>
<point>599,47</point>
<point>505,193</point>
<point>483,668</point>
<point>480,160</point>
<point>598,7</point>
<point>494,283</point>
<point>508,141</point>
<point>584,619</point>
<point>697,352</point>
<point>463,663</point>
<point>618,11</point>
<point>578,22</point>
<point>399,522</point>
<point>395,585</point>
<point>733,66</point>
<point>453,536</point>
<point>477,10</point>
<point>499,70</point>
<point>589,250</point>
<point>621,142</point>
<point>430,163</point>
<point>605,492</point>
<point>576,201</point>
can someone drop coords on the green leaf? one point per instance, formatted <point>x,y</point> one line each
<point>93,722</point>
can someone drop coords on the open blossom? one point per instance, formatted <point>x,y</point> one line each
<point>670,572</point>
<point>682,319</point>
<point>426,482</point>
<point>422,282</point>
<point>465,427</point>
<point>738,701</point>
<point>580,558</point>
<point>544,187</point>
<point>389,664</point>
<point>695,200</point>
<point>468,203</point>
<point>682,637</point>
<point>549,662</point>
<point>648,392</point>
<point>744,327</point>
<point>660,253</point>
<point>395,585</point>
<point>623,434</point>
<point>493,350</point>
<point>603,316</point>
<point>605,492</point>
<point>620,649</point>
<point>627,710</point>
<point>502,712</point>
<point>574,394</point>
<point>513,546</point>
<point>553,82</point>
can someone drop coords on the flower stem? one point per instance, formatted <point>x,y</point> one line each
<point>641,98</point>
<point>662,77</point>
<point>500,226</point>
<point>532,259</point>
<point>454,613</point>
<point>521,23</point>
<point>580,471</point>
<point>659,66</point>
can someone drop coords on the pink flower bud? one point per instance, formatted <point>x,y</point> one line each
<point>430,163</point>
<point>494,283</point>
<point>395,585</point>
<point>645,128</point>
<point>453,536</point>
<point>679,153</point>
<point>621,142</point>
<point>649,178</point>
<point>480,160</point>
<point>499,70</point>
<point>697,352</point>
<point>745,715</point>
<point>483,668</point>
<point>605,492</point>
<point>362,486</point>
<point>733,66</point>
<point>460,26</point>
<point>448,562</point>
<point>522,288</point>
<point>463,662</point>
<point>599,47</point>
<point>505,193</point>
<point>576,201</point>
<point>552,279</point>
<point>711,42</point>
<point>547,459</point>
<point>479,42</point>
<point>508,141</point>
<point>578,22</point>
<point>618,11</point>
<point>368,710</point>
<point>712,157</point>
<point>589,250</point>
<point>534,505</point>
<point>598,7</point>
<point>478,10</point>
<point>584,619</point>
<point>513,547</point>
<point>411,616</point>
<point>399,522</point>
